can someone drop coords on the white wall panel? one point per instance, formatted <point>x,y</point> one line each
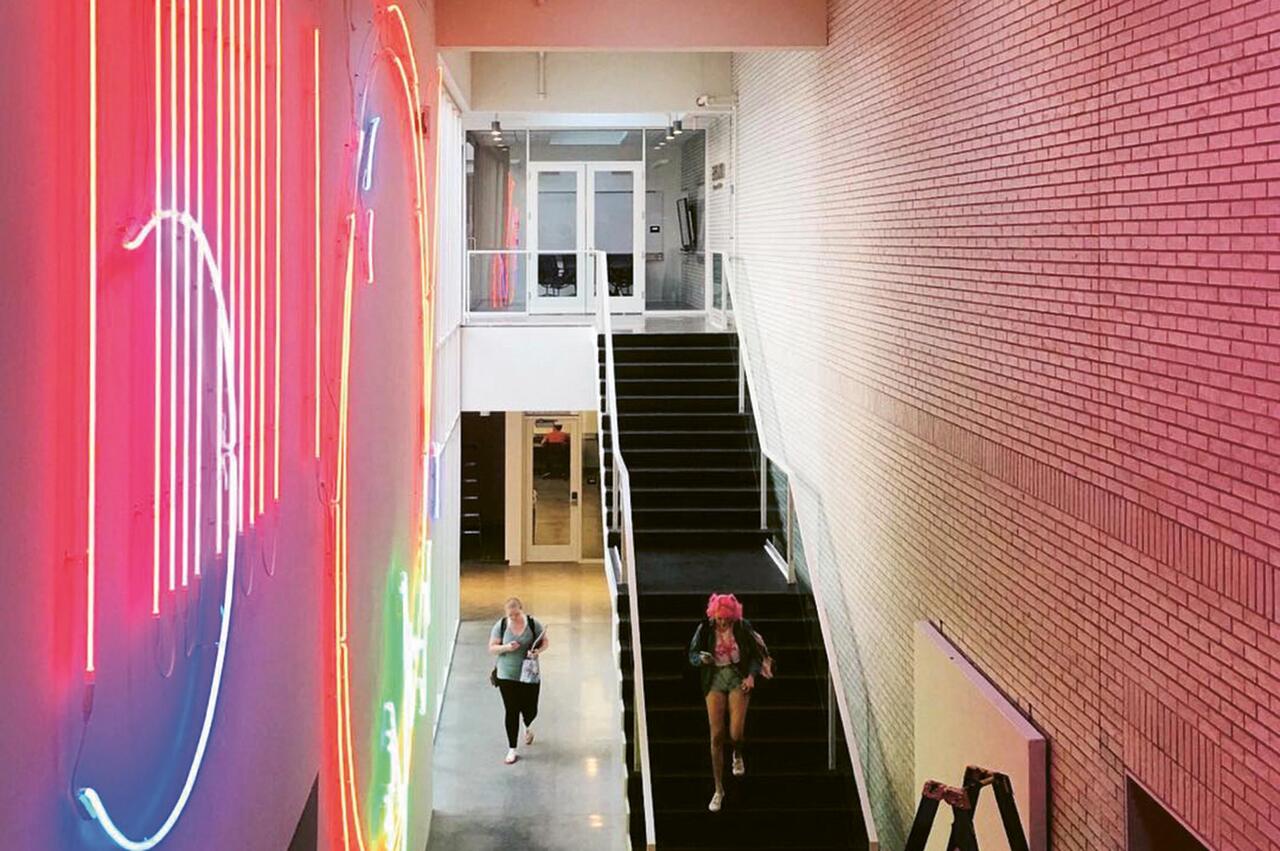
<point>529,368</point>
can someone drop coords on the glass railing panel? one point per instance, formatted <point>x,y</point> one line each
<point>777,507</point>
<point>496,281</point>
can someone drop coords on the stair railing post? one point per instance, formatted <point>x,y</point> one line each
<point>613,527</point>
<point>831,720</point>
<point>791,545</point>
<point>764,490</point>
<point>742,386</point>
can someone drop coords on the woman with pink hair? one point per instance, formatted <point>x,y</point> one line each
<point>729,655</point>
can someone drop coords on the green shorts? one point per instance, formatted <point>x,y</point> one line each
<point>726,679</point>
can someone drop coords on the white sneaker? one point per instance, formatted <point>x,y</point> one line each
<point>716,800</point>
<point>511,756</point>
<point>528,735</point>
<point>739,768</point>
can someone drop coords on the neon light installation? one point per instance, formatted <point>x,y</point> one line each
<point>409,701</point>
<point>235,275</point>
<point>229,467</point>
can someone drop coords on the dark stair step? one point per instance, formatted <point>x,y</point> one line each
<point>668,403</point>
<point>673,659</point>
<point>672,386</point>
<point>701,538</point>
<point>695,497</point>
<point>671,369</point>
<point>662,421</point>
<point>760,827</point>
<point>677,630</point>
<point>703,517</point>
<point>797,751</point>
<point>757,605</point>
<point>683,690</point>
<point>763,722</point>
<point>684,439</point>
<point>672,340</point>
<point>668,476</point>
<point>805,790</point>
<point>717,458</point>
<point>673,354</point>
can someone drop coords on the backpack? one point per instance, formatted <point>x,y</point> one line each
<point>502,630</point>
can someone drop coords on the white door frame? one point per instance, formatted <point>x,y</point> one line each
<point>633,303</point>
<point>572,551</point>
<point>578,302</point>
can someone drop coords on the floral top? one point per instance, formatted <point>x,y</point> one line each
<point>726,649</point>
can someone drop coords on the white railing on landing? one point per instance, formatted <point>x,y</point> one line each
<point>621,517</point>
<point>749,376</point>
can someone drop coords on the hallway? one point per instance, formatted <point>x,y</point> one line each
<point>567,790</point>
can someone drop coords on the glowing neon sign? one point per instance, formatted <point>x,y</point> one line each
<point>409,703</point>
<point>229,466</point>
<point>234,274</point>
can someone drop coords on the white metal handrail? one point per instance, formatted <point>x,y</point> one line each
<point>622,521</point>
<point>752,386</point>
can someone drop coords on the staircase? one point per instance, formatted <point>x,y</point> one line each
<point>788,798</point>
<point>691,454</point>
<point>696,513</point>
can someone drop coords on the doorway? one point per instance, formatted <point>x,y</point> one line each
<point>552,497</point>
<point>576,208</point>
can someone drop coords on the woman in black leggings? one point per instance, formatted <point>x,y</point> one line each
<point>512,641</point>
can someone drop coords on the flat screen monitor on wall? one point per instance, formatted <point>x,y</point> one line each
<point>685,212</point>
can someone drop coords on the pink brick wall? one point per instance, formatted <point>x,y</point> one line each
<point>1013,274</point>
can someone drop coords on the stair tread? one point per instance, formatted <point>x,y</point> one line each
<point>709,489</point>
<point>638,431</point>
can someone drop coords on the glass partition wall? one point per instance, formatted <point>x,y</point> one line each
<point>540,201</point>
<point>675,190</point>
<point>496,183</point>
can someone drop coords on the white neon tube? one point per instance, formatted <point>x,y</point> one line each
<point>186,299</point>
<point>198,526</point>
<point>88,796</point>
<point>373,143</point>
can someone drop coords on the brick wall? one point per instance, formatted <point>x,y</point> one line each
<point>1011,274</point>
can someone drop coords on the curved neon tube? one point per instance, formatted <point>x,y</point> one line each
<point>89,796</point>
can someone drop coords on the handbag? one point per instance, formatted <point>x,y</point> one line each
<point>530,669</point>
<point>766,664</point>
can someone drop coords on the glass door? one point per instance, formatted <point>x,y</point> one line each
<point>716,313</point>
<point>553,473</point>
<point>558,277</point>
<point>615,225</point>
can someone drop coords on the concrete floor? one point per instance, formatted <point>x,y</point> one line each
<point>567,791</point>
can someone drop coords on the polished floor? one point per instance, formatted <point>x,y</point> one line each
<point>567,791</point>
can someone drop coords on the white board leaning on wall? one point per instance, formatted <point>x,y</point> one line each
<point>961,719</point>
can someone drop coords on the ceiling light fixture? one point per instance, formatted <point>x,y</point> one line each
<point>671,132</point>
<point>677,127</point>
<point>495,128</point>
